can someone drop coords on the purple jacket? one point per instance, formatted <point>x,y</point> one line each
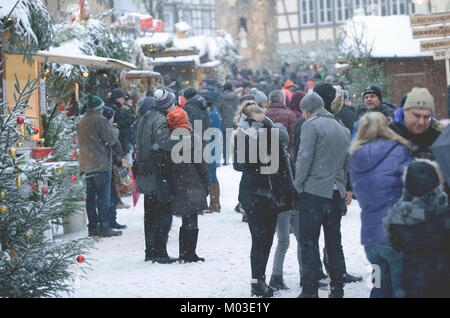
<point>278,113</point>
<point>376,171</point>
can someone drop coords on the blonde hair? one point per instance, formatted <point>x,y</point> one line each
<point>248,108</point>
<point>374,126</point>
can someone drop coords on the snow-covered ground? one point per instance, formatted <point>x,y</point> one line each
<point>119,270</point>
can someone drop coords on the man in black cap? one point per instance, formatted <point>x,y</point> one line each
<point>373,101</point>
<point>153,147</point>
<point>96,136</point>
<point>123,118</point>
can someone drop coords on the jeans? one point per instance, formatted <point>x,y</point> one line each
<point>286,222</point>
<point>316,212</point>
<point>212,172</point>
<point>157,224</point>
<point>113,203</point>
<point>98,193</point>
<point>262,222</point>
<point>389,282</point>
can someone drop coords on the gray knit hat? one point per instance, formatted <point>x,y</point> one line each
<point>260,97</point>
<point>164,99</point>
<point>312,102</point>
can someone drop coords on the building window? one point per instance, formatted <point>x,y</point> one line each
<point>384,8</point>
<point>342,10</point>
<point>325,8</point>
<point>398,7</point>
<point>308,13</point>
<point>206,19</point>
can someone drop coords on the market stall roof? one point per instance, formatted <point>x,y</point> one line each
<point>190,59</point>
<point>80,59</point>
<point>142,74</point>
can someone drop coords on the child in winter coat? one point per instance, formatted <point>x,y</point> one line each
<point>189,184</point>
<point>419,226</point>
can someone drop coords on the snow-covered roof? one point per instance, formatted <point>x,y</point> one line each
<point>82,59</point>
<point>389,36</point>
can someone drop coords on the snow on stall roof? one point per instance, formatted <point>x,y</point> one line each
<point>20,14</point>
<point>390,36</point>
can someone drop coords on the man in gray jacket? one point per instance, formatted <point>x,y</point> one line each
<point>96,135</point>
<point>321,182</point>
<point>153,147</point>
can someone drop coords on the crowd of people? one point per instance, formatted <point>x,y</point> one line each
<point>329,152</point>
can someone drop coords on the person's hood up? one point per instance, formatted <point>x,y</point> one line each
<point>371,154</point>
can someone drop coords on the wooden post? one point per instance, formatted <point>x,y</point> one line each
<point>447,67</point>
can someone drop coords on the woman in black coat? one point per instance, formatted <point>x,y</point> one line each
<point>189,183</point>
<point>419,226</point>
<point>261,191</point>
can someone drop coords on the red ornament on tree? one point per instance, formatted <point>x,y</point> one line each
<point>35,186</point>
<point>80,259</point>
<point>45,190</point>
<point>20,120</point>
<point>62,108</point>
<point>74,179</point>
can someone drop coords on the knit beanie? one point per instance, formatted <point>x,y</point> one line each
<point>147,104</point>
<point>117,93</point>
<point>227,87</point>
<point>94,102</point>
<point>421,177</point>
<point>327,92</point>
<point>419,98</point>
<point>372,89</point>
<point>108,112</point>
<point>178,119</point>
<point>260,97</point>
<point>164,99</point>
<point>312,102</point>
<point>189,92</point>
<point>289,84</point>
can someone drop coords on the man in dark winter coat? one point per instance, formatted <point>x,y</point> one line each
<point>124,119</point>
<point>279,113</point>
<point>227,106</point>
<point>414,122</point>
<point>197,110</point>
<point>348,113</point>
<point>321,179</point>
<point>419,226</point>
<point>96,136</point>
<point>373,102</point>
<point>153,147</point>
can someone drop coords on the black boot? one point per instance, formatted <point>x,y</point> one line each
<point>336,292</point>
<point>117,226</point>
<point>277,282</point>
<point>188,244</point>
<point>162,257</point>
<point>352,279</point>
<point>260,288</point>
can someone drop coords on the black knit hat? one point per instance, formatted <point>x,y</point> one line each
<point>117,93</point>
<point>421,178</point>
<point>164,99</point>
<point>108,112</point>
<point>327,92</point>
<point>189,92</point>
<point>372,89</point>
<point>227,87</point>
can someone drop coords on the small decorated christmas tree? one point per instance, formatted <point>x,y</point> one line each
<point>33,196</point>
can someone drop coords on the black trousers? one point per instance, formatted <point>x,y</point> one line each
<point>316,212</point>
<point>262,222</point>
<point>157,224</point>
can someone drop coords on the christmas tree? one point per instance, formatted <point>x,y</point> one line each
<point>33,196</point>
